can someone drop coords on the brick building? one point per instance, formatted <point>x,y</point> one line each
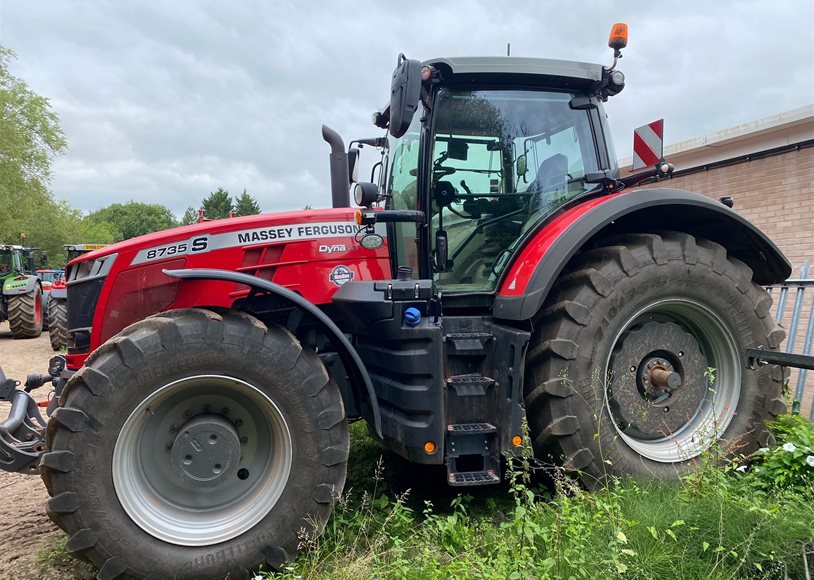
<point>767,166</point>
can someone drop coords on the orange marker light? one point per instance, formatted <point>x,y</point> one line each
<point>358,217</point>
<point>429,447</point>
<point>517,440</point>
<point>618,36</point>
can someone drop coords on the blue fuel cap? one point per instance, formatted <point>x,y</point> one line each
<point>412,317</point>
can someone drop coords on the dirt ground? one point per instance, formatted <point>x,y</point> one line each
<point>28,539</point>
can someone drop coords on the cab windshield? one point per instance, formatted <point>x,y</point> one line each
<point>7,262</point>
<point>502,160</point>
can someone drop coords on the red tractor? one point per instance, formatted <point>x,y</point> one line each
<point>500,271</point>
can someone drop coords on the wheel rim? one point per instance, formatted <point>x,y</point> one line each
<point>658,365</point>
<point>202,460</point>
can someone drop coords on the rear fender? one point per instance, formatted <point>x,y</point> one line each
<point>355,369</point>
<point>537,265</point>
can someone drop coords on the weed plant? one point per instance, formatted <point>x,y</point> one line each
<point>718,523</point>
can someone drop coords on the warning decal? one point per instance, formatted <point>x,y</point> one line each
<point>648,144</point>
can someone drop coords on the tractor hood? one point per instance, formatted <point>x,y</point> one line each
<point>258,228</point>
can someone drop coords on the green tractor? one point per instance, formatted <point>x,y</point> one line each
<point>21,300</point>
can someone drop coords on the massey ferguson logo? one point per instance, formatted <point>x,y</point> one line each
<point>326,249</point>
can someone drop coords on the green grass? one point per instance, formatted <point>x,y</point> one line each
<point>57,559</point>
<point>400,520</point>
<point>708,526</point>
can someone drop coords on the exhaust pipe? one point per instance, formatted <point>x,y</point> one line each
<point>340,179</point>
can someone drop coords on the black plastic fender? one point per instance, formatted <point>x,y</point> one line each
<point>350,358</point>
<point>649,210</point>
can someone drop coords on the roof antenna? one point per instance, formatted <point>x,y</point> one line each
<point>508,49</point>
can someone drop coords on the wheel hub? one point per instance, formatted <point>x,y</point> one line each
<point>206,451</point>
<point>657,382</point>
<point>657,379</point>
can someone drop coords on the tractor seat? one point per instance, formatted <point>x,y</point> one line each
<point>552,177</point>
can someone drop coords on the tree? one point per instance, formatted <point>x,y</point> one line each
<point>30,137</point>
<point>246,205</point>
<point>190,217</point>
<point>218,204</point>
<point>134,218</point>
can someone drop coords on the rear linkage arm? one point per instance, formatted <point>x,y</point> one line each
<point>22,434</point>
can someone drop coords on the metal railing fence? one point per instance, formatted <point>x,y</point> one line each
<point>794,300</point>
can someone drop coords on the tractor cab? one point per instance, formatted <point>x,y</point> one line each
<point>10,260</point>
<point>494,148</point>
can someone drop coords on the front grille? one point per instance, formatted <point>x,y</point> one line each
<point>82,298</point>
<point>84,287</point>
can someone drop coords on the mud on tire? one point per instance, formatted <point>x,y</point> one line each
<point>636,364</point>
<point>140,407</point>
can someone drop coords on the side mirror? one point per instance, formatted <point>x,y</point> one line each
<point>520,166</point>
<point>353,164</point>
<point>405,91</point>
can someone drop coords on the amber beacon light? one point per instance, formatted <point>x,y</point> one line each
<point>618,36</point>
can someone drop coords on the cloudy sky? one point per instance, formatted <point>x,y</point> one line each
<point>166,101</point>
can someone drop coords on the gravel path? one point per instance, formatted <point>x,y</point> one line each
<point>27,536</point>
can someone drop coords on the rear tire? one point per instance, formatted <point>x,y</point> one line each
<point>58,323</point>
<point>195,445</point>
<point>620,313</point>
<point>25,316</point>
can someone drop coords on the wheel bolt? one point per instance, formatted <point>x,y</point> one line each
<point>173,428</point>
<point>238,423</point>
<point>680,353</point>
<point>666,409</point>
<point>187,413</point>
<point>224,411</point>
<point>633,369</point>
<point>207,407</point>
<point>244,440</point>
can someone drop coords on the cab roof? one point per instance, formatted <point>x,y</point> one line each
<point>512,65</point>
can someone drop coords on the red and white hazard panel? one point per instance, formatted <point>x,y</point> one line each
<point>648,144</point>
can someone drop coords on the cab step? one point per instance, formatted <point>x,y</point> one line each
<point>468,343</point>
<point>472,454</point>
<point>465,478</point>
<point>472,428</point>
<point>470,385</point>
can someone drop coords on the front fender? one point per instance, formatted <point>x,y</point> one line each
<point>13,287</point>
<point>59,293</point>
<point>350,358</point>
<point>537,265</point>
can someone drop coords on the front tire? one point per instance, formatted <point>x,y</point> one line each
<point>195,445</point>
<point>58,323</point>
<point>25,317</point>
<point>637,366</point>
